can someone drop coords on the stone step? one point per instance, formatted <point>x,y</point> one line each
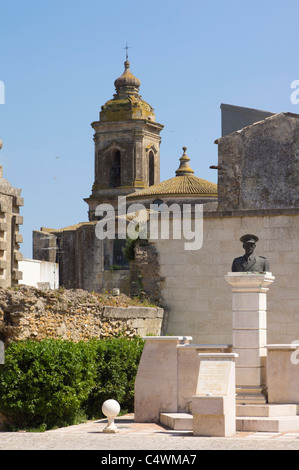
<point>264,419</point>
<point>177,421</point>
<point>267,424</point>
<point>267,410</point>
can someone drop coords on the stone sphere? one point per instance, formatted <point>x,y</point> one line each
<point>1,144</point>
<point>110,408</point>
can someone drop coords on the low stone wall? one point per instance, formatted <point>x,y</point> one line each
<point>27,312</point>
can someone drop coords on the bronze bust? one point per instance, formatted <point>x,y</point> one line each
<point>250,262</point>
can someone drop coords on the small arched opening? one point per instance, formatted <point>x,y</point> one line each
<point>151,168</point>
<point>115,173</point>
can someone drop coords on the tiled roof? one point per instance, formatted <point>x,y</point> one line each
<point>66,229</point>
<point>183,184</point>
<point>179,185</point>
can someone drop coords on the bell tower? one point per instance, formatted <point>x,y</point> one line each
<point>127,144</point>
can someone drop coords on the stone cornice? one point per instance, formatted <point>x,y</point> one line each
<point>252,212</point>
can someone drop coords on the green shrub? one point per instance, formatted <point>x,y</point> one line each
<point>117,364</point>
<point>49,383</point>
<point>45,382</point>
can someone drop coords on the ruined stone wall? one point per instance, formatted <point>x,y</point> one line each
<point>27,312</point>
<point>44,246</point>
<point>10,238</point>
<point>80,255</point>
<point>258,165</point>
<point>145,272</point>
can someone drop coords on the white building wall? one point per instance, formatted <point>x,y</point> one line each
<point>39,273</point>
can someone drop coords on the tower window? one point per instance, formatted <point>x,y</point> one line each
<point>151,168</point>
<point>115,179</point>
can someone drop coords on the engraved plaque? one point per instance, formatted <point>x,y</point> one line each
<point>213,377</point>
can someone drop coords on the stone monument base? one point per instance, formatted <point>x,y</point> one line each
<point>246,395</point>
<point>214,405</point>
<point>213,416</point>
<point>249,315</point>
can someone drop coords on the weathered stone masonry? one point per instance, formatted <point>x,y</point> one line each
<point>27,313</point>
<point>10,238</point>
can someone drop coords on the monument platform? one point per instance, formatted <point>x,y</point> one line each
<point>267,418</point>
<point>249,418</point>
<point>177,421</point>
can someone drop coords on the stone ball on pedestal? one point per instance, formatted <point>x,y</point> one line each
<point>110,408</point>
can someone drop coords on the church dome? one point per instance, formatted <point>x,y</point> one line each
<point>184,184</point>
<point>126,104</point>
<point>127,80</point>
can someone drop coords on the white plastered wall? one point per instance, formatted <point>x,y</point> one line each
<point>36,272</point>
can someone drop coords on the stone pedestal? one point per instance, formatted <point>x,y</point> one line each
<point>249,309</point>
<point>188,369</point>
<point>156,383</point>
<point>214,405</point>
<point>283,373</point>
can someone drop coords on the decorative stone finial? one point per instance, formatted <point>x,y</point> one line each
<point>127,83</point>
<point>110,409</point>
<point>184,168</point>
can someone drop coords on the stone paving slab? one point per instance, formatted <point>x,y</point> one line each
<point>136,437</point>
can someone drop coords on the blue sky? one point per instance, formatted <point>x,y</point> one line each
<point>59,60</point>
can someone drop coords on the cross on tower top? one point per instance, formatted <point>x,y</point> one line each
<point>127,47</point>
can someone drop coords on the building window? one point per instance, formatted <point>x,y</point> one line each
<point>151,168</point>
<point>115,174</point>
<point>119,260</point>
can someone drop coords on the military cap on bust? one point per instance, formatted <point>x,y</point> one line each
<point>249,238</point>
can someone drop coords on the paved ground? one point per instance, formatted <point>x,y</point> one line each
<point>141,437</point>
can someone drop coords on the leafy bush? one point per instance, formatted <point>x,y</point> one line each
<point>117,364</point>
<point>53,383</point>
